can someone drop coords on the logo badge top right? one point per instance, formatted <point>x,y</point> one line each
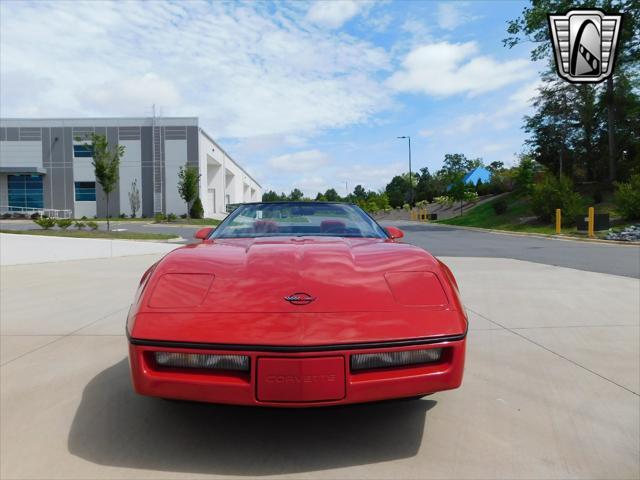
<point>584,43</point>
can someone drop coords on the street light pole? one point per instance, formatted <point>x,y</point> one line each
<point>408,137</point>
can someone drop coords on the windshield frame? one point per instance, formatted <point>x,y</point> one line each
<point>376,227</point>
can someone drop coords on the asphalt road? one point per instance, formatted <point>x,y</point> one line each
<point>449,241</point>
<point>446,241</point>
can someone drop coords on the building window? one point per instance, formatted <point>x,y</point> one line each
<point>85,191</point>
<point>82,151</point>
<point>25,191</point>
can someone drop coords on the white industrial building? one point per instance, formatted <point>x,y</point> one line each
<point>44,166</point>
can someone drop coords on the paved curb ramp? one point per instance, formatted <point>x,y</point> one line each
<point>29,249</point>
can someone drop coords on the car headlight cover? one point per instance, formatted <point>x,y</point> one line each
<point>200,360</point>
<point>365,361</point>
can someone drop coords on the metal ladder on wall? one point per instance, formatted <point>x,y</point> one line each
<point>157,163</point>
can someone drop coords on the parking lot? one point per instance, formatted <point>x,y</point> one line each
<point>551,389</point>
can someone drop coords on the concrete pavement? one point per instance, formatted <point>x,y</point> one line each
<point>551,389</point>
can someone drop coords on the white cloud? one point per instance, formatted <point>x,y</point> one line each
<point>244,70</point>
<point>444,69</point>
<point>137,92</point>
<point>452,15</point>
<point>299,161</point>
<point>425,132</point>
<point>334,14</point>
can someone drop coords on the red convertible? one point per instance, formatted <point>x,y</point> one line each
<point>297,304</point>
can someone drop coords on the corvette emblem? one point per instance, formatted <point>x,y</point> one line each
<point>584,42</point>
<point>300,298</point>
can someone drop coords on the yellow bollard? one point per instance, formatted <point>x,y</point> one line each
<point>591,225</point>
<point>558,220</point>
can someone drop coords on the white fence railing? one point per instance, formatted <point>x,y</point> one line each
<point>28,211</point>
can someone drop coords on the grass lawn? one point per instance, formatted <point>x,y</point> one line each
<point>517,218</point>
<point>93,234</point>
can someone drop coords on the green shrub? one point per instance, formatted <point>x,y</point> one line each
<point>406,206</point>
<point>92,225</point>
<point>80,225</point>
<point>45,222</point>
<point>627,198</point>
<point>196,209</point>
<point>183,215</point>
<point>552,193</point>
<point>159,217</point>
<point>500,207</point>
<point>172,217</point>
<point>64,223</point>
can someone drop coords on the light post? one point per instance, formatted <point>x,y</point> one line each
<point>410,175</point>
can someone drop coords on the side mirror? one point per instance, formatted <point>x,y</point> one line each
<point>203,233</point>
<point>394,233</point>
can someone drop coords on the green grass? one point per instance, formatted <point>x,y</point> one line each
<point>93,234</point>
<point>517,218</point>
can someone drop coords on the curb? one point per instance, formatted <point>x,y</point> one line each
<point>537,235</point>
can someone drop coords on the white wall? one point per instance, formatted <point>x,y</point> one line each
<point>130,170</point>
<point>175,157</point>
<point>222,174</point>
<point>21,154</point>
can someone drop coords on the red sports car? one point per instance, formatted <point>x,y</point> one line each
<point>296,304</point>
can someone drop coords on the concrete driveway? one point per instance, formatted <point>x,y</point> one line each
<point>551,389</point>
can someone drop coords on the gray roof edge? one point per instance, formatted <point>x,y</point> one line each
<point>98,122</point>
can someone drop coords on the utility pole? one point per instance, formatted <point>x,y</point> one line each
<point>408,137</point>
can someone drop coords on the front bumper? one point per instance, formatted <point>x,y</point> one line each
<point>247,388</point>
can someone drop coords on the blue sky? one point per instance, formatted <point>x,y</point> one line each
<point>303,94</point>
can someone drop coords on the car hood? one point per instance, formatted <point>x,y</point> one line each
<point>255,275</point>
<point>233,292</point>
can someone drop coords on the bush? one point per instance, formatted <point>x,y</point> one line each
<point>406,207</point>
<point>598,197</point>
<point>172,217</point>
<point>64,223</point>
<point>123,215</point>
<point>92,225</point>
<point>35,216</point>
<point>80,225</point>
<point>45,222</point>
<point>627,198</point>
<point>6,215</point>
<point>184,215</point>
<point>552,193</point>
<point>159,217</point>
<point>500,207</point>
<point>196,209</point>
<point>84,217</point>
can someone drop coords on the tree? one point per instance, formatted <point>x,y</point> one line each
<point>524,174</point>
<point>359,192</point>
<point>188,184</point>
<point>106,164</point>
<point>296,195</point>
<point>196,210</point>
<point>459,191</point>
<point>532,26</point>
<point>134,198</point>
<point>332,196</point>
<point>398,191</point>
<point>270,196</point>
<point>496,166</point>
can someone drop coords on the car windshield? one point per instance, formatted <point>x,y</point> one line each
<point>298,219</point>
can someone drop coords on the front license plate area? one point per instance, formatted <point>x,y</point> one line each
<point>318,379</point>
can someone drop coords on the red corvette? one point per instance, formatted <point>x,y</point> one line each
<point>299,305</point>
